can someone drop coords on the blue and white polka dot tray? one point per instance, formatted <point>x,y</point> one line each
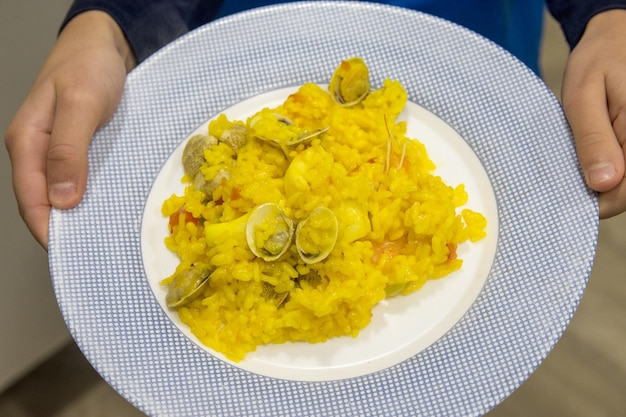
<point>545,224</point>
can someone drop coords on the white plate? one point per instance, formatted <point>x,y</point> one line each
<point>429,313</point>
<point>546,219</point>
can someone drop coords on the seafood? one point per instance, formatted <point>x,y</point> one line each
<point>194,158</point>
<point>269,292</point>
<point>306,136</point>
<point>193,154</point>
<point>207,187</point>
<point>235,137</point>
<point>269,232</point>
<point>236,227</point>
<point>298,220</point>
<point>280,131</point>
<point>186,285</point>
<point>350,83</point>
<point>353,220</point>
<point>316,235</point>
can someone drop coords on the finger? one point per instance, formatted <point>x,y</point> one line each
<point>617,110</point>
<point>613,202</point>
<point>29,185</point>
<point>27,141</point>
<point>77,116</point>
<point>598,149</point>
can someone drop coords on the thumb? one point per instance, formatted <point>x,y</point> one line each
<point>599,151</point>
<point>76,119</point>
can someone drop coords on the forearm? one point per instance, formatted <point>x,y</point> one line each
<point>148,25</point>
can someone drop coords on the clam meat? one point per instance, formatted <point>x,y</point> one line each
<point>269,231</point>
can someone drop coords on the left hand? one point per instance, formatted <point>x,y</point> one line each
<point>76,92</point>
<point>594,100</point>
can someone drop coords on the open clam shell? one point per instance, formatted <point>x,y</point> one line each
<point>316,235</point>
<point>269,231</point>
<point>350,83</point>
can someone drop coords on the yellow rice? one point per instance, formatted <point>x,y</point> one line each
<point>399,224</point>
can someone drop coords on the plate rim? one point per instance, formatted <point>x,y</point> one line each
<point>81,336</point>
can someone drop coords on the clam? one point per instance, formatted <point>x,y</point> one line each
<point>193,153</point>
<point>208,187</point>
<point>269,231</point>
<point>306,136</point>
<point>316,235</point>
<point>235,137</point>
<point>186,285</point>
<point>270,294</point>
<point>311,278</point>
<point>350,83</point>
<point>280,131</point>
<point>193,159</point>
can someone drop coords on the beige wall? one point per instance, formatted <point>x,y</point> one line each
<point>31,327</point>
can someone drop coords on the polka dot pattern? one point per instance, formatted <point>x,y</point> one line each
<point>546,243</point>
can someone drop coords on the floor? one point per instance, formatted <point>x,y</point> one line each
<point>584,376</point>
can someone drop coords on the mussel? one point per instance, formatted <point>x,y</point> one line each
<point>269,231</point>
<point>186,285</point>
<point>316,235</point>
<point>350,83</point>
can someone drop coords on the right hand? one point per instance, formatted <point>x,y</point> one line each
<point>594,100</point>
<point>77,91</point>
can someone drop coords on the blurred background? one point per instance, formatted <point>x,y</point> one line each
<point>43,373</point>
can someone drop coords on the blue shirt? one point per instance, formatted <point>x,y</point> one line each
<point>514,24</point>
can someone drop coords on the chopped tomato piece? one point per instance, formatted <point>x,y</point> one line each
<point>175,219</point>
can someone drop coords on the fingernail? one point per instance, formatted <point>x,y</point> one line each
<point>601,172</point>
<point>61,193</point>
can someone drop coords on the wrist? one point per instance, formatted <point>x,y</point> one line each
<point>98,26</point>
<point>605,23</point>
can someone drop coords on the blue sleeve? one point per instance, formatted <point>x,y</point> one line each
<point>573,15</point>
<point>150,24</point>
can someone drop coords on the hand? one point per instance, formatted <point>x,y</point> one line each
<point>76,92</point>
<point>594,100</point>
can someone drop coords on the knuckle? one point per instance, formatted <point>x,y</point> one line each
<point>63,152</point>
<point>10,137</point>
<point>591,140</point>
<point>79,98</point>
